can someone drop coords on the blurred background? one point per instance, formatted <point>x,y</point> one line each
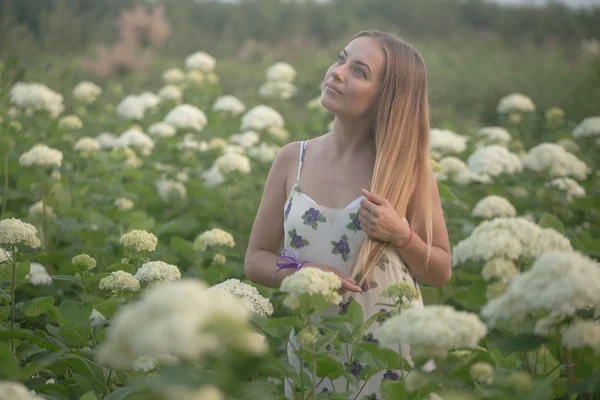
<point>476,51</point>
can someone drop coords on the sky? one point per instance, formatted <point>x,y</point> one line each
<point>573,3</point>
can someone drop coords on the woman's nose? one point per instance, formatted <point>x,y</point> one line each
<point>338,73</point>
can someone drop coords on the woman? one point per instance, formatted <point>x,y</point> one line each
<point>377,90</point>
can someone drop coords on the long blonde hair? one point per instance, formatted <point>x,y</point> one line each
<point>402,171</point>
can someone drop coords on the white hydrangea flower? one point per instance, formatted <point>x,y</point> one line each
<point>494,135</point>
<point>196,77</point>
<point>494,160</point>
<point>196,322</point>
<point>450,166</point>
<point>107,140</point>
<point>173,76</point>
<point>149,100</point>
<point>144,363</point>
<point>13,232</point>
<point>155,272</point>
<point>313,282</point>
<point>84,261</point>
<point>499,268</point>
<point>248,294</point>
<point>515,102</point>
<point>589,127</point>
<point>446,141</point>
<point>186,116</point>
<point>87,146</point>
<point>139,240</point>
<point>37,209</point>
<point>558,282</point>
<point>261,117</point>
<point>119,281</point>
<point>482,372</point>
<point>169,189</point>
<point>36,97</point>
<point>556,160</point>
<point>41,155</point>
<point>281,72</point>
<point>234,148</point>
<point>510,238</point>
<point>38,275</point>
<point>86,92</point>
<point>213,177</point>
<point>162,129</point>
<point>16,391</point>
<point>230,104</point>
<point>135,138</point>
<point>232,161</point>
<point>171,93</point>
<point>582,334</point>
<point>190,143</point>
<point>218,143</point>
<point>569,145</point>
<point>264,152</point>
<point>70,122</point>
<point>277,90</point>
<point>246,139</point>
<point>568,185</point>
<point>493,206</point>
<point>433,330</point>
<point>200,61</point>
<point>278,133</point>
<point>213,237</point>
<point>131,107</point>
<point>467,176</point>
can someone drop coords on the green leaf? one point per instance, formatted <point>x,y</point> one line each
<point>74,336</point>
<point>36,366</point>
<point>75,312</point>
<point>357,316</point>
<point>122,267</point>
<point>259,390</point>
<point>91,395</point>
<point>524,342</point>
<point>37,306</point>
<point>446,193</point>
<point>22,270</point>
<point>329,367</point>
<point>548,220</point>
<point>10,366</point>
<point>68,278</point>
<point>106,307</point>
<point>393,391</point>
<point>182,247</point>
<point>27,335</point>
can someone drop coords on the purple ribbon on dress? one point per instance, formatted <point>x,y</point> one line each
<point>288,260</point>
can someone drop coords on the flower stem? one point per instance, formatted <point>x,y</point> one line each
<point>12,294</point>
<point>5,196</point>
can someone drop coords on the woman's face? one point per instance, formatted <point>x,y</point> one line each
<point>351,83</point>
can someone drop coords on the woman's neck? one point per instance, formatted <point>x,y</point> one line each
<point>350,137</point>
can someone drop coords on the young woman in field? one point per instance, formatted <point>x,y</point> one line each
<point>360,201</point>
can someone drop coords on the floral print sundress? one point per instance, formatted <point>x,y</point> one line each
<point>332,236</point>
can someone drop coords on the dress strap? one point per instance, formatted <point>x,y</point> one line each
<point>300,160</point>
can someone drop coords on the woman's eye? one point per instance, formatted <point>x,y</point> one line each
<point>340,58</point>
<point>360,71</point>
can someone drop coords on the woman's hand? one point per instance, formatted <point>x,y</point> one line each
<point>379,220</point>
<point>347,283</point>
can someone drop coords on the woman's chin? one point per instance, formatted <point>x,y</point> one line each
<point>329,103</point>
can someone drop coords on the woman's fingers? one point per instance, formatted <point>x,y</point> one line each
<point>349,286</point>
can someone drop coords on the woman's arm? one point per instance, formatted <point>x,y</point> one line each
<point>439,268</point>
<point>380,220</point>
<point>267,231</point>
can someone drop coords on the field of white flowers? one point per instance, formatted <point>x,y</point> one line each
<point>124,226</point>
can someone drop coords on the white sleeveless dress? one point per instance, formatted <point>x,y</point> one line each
<point>332,236</point>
